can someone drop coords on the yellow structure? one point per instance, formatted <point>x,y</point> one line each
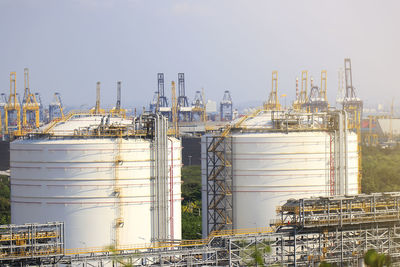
<point>30,105</point>
<point>273,100</point>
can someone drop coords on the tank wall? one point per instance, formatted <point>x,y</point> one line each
<point>352,144</point>
<point>74,181</point>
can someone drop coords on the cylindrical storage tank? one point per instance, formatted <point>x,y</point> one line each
<point>269,168</point>
<point>101,188</point>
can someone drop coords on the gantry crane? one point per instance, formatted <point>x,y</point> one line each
<point>162,101</point>
<point>301,97</point>
<point>97,109</point>
<point>56,108</point>
<point>273,100</point>
<point>30,106</point>
<point>199,106</point>
<point>159,102</point>
<point>12,106</point>
<point>3,103</point>
<point>317,100</point>
<point>184,110</point>
<point>226,107</point>
<point>117,110</point>
<point>40,103</point>
<point>304,87</point>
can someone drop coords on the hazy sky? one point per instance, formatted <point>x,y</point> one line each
<point>218,44</point>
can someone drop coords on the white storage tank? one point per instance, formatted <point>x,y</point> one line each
<point>102,187</point>
<point>267,166</point>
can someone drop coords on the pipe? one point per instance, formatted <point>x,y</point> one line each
<point>346,159</point>
<point>171,192</point>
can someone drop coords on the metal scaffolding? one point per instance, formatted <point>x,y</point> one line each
<point>31,243</point>
<point>337,229</point>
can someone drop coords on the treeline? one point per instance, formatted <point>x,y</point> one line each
<point>380,169</point>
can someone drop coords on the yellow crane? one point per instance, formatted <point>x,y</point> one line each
<point>12,106</point>
<point>30,105</point>
<point>273,100</point>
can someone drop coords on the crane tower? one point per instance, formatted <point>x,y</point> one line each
<point>184,110</point>
<point>226,107</point>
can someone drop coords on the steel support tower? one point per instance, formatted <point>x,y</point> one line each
<point>219,183</point>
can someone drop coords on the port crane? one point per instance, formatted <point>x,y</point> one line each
<point>273,100</point>
<point>30,107</point>
<point>117,110</point>
<point>56,108</point>
<point>184,111</point>
<point>199,106</point>
<point>226,107</point>
<point>301,97</point>
<point>97,109</point>
<point>12,115</point>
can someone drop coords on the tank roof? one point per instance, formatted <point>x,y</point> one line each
<point>88,122</point>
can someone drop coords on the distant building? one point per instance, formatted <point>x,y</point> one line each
<point>211,106</point>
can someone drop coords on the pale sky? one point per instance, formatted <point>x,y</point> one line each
<point>219,45</point>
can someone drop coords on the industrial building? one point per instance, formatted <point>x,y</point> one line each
<point>112,181</point>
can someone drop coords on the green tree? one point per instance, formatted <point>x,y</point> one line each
<point>191,203</point>
<point>5,210</point>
